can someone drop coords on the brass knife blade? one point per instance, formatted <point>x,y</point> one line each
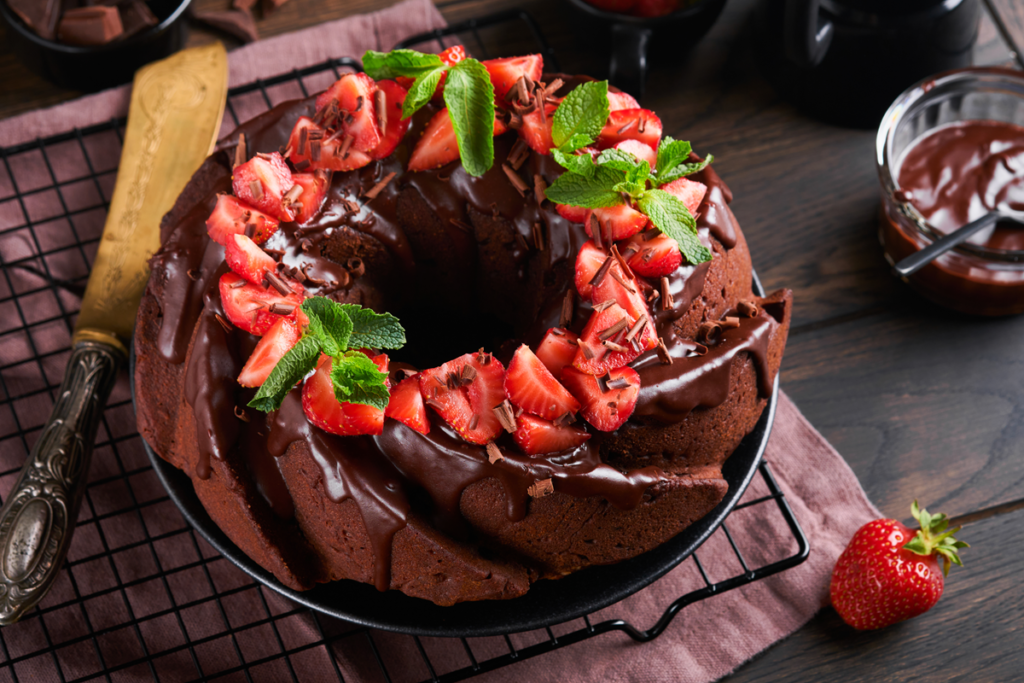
<point>173,122</point>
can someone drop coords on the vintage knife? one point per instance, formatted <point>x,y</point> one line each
<point>173,121</point>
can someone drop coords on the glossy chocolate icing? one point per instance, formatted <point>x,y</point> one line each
<point>960,172</point>
<point>380,473</point>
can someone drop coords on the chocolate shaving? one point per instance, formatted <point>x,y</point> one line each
<point>643,122</point>
<point>729,322</point>
<point>622,261</point>
<point>276,253</point>
<point>538,93</point>
<point>223,323</point>
<point>622,281</point>
<point>595,231</point>
<point>666,294</point>
<point>240,153</point>
<point>515,121</point>
<point>567,309</point>
<point>639,325</point>
<point>607,303</point>
<point>483,357</point>
<point>697,349</point>
<point>303,141</point>
<point>281,309</point>
<point>538,188</point>
<point>521,91</point>
<point>618,383</point>
<point>468,375</point>
<point>474,422</point>
<point>350,205</point>
<point>461,225</point>
<point>564,419</point>
<point>236,284</point>
<point>379,187</point>
<point>539,489</point>
<point>521,110</point>
<point>240,414</point>
<point>626,127</point>
<point>355,266</point>
<point>709,332</point>
<point>614,347</point>
<point>610,332</point>
<point>278,284</point>
<point>359,103</point>
<point>250,230</point>
<point>315,150</point>
<point>663,353</point>
<point>435,404</point>
<point>256,187</point>
<point>649,235</point>
<point>380,106</point>
<point>601,272</point>
<point>748,309</point>
<point>587,352</point>
<point>523,244</point>
<point>293,194</point>
<point>553,87</point>
<point>538,237</point>
<point>602,382</point>
<point>493,452</point>
<point>302,165</point>
<point>516,181</point>
<point>518,154</point>
<point>345,145</point>
<point>506,416</point>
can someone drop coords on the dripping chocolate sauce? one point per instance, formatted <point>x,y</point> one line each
<point>379,472</point>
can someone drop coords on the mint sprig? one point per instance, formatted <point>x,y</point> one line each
<point>582,114</point>
<point>335,330</point>
<point>409,63</point>
<point>673,156</point>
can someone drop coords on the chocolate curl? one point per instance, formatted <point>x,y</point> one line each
<point>240,414</point>
<point>493,452</point>
<point>539,186</point>
<point>506,416</point>
<point>666,295</point>
<point>381,110</point>
<point>567,309</point>
<point>379,187</point>
<point>663,352</point>
<point>729,322</point>
<point>241,155</point>
<point>355,266</point>
<point>748,309</point>
<point>539,489</point>
<point>709,332</point>
<point>517,182</point>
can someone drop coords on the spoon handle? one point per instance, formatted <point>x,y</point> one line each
<point>920,259</point>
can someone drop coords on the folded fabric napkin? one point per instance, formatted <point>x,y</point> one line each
<point>157,596</point>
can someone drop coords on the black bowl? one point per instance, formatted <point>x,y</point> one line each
<point>545,604</point>
<point>95,68</point>
<point>632,37</point>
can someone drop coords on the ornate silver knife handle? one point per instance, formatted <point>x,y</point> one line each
<point>37,519</point>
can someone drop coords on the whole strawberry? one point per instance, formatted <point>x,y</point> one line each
<point>889,573</point>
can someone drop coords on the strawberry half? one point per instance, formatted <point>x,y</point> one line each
<point>323,409</point>
<point>354,94</point>
<point>689,192</point>
<point>395,126</point>
<point>621,100</point>
<point>248,260</point>
<point>607,402</point>
<point>588,262</point>
<point>631,124</point>
<point>641,150</point>
<point>573,214</point>
<point>438,145</point>
<point>254,309</point>
<point>466,398</point>
<point>406,405</point>
<point>627,294</point>
<point>557,349</point>
<point>262,182</point>
<point>279,340</point>
<point>506,71</point>
<point>231,216</point>
<point>653,257</point>
<point>602,344</point>
<point>618,222</point>
<point>532,387</point>
<point>537,437</point>
<point>329,157</point>
<point>314,192</point>
<point>536,131</point>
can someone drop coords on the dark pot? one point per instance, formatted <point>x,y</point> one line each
<point>95,68</point>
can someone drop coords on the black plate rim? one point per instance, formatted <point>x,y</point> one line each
<point>490,618</point>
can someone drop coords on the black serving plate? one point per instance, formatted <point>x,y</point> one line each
<point>547,602</point>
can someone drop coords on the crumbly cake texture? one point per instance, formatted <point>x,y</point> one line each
<point>432,515</point>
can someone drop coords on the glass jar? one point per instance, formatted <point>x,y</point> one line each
<point>970,278</point>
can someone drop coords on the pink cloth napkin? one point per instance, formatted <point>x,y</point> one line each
<point>144,596</point>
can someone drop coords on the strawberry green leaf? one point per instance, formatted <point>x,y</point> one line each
<point>356,379</point>
<point>329,323</point>
<point>590,192</point>
<point>372,330</point>
<point>422,90</point>
<point>672,217</point>
<point>381,65</point>
<point>289,371</point>
<point>469,96</point>
<point>582,112</point>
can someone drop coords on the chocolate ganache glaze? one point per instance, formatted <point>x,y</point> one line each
<point>383,474</point>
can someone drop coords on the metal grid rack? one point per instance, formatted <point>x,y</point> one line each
<point>141,595</point>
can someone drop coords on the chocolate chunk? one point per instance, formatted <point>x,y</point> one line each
<point>237,23</point>
<point>136,17</point>
<point>90,26</point>
<point>40,15</point>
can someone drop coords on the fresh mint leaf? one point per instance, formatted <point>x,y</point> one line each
<point>684,170</point>
<point>576,142</point>
<point>422,90</point>
<point>372,330</point>
<point>288,372</point>
<point>582,164</point>
<point>584,111</point>
<point>379,65</point>
<point>329,323</point>
<point>633,189</point>
<point>673,218</point>
<point>639,173</point>
<point>356,379</point>
<point>591,192</point>
<point>671,153</point>
<point>469,96</point>
<point>618,160</point>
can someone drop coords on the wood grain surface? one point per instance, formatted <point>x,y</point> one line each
<point>922,402</point>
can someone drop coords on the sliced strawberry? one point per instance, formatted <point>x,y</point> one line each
<point>537,437</point>
<point>588,262</point>
<point>626,124</point>
<point>449,57</point>
<point>621,100</point>
<point>532,387</point>
<point>689,192</point>
<point>248,306</point>
<point>605,410</point>
<point>262,182</point>
<point>619,222</point>
<point>314,192</point>
<point>354,94</point>
<point>323,409</point>
<point>573,214</point>
<point>506,71</point>
<point>329,157</point>
<point>596,355</point>
<point>628,296</point>
<point>279,339</point>
<point>406,405</point>
<point>653,257</point>
<point>248,260</point>
<point>438,145</point>
<point>536,131</point>
<point>231,216</point>
<point>640,150</point>
<point>395,126</point>
<point>466,399</point>
<point>557,350</point>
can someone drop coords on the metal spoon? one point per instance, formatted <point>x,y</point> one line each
<point>920,259</point>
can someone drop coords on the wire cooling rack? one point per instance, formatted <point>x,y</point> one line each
<point>142,597</point>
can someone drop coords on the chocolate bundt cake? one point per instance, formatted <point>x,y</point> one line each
<point>626,368</point>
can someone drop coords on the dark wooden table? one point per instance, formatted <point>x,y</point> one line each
<point>923,403</point>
